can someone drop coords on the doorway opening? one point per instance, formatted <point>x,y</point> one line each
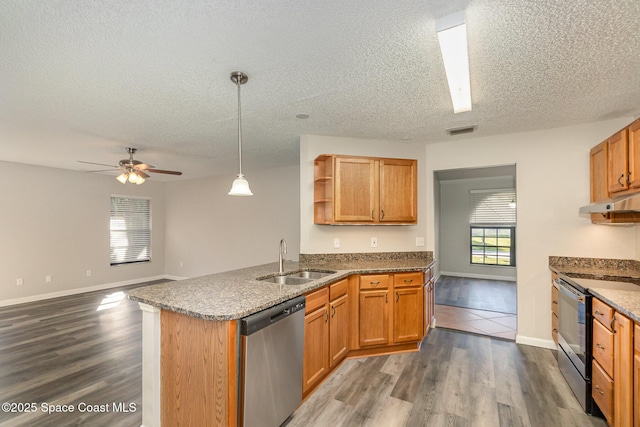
<point>475,247</point>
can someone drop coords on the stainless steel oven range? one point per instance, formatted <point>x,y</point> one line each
<point>574,340</point>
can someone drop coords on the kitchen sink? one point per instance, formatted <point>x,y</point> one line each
<point>296,277</point>
<point>311,274</point>
<point>285,280</point>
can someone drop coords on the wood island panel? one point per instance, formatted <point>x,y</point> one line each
<point>198,370</point>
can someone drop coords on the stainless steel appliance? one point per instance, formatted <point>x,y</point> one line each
<point>272,349</point>
<point>574,340</point>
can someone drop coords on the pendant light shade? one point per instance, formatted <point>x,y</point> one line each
<point>240,186</point>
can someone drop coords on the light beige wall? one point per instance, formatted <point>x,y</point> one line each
<point>209,231</point>
<point>356,238</point>
<point>56,222</point>
<point>552,183</point>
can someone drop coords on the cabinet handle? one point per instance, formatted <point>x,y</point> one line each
<point>334,311</point>
<point>326,316</point>
<point>628,178</point>
<point>408,280</point>
<point>386,298</point>
<point>372,217</point>
<point>397,296</point>
<point>619,180</point>
<point>375,283</point>
<point>555,330</point>
<point>613,319</point>
<point>382,211</point>
<point>597,313</point>
<point>554,302</point>
<point>599,346</point>
<point>599,390</point>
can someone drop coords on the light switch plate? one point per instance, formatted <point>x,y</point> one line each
<point>336,243</point>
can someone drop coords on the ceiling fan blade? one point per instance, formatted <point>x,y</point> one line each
<point>142,174</point>
<point>164,171</point>
<point>101,170</point>
<point>144,166</point>
<point>99,164</point>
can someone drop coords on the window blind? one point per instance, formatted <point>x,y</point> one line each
<point>130,230</point>
<point>493,206</point>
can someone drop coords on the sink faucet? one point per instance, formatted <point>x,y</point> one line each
<point>283,250</point>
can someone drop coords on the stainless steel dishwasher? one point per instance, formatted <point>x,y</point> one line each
<point>272,345</point>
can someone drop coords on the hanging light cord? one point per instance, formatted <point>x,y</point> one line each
<point>238,83</point>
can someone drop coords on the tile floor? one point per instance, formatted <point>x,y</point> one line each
<point>491,323</point>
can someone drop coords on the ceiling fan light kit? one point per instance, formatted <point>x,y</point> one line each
<point>240,186</point>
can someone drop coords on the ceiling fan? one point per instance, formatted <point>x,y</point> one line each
<point>133,171</point>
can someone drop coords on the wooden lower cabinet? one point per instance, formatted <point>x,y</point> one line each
<point>338,323</point>
<point>374,317</point>
<point>613,365</point>
<point>408,308</point>
<point>554,309</point>
<point>636,377</point>
<point>623,372</point>
<point>316,339</point>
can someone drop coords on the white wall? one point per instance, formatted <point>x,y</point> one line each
<point>552,183</point>
<point>356,238</point>
<point>210,231</point>
<point>56,222</point>
<point>455,211</point>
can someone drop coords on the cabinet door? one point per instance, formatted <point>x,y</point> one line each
<point>598,164</point>
<point>634,155</point>
<point>407,314</point>
<point>316,347</point>
<point>636,389</point>
<point>373,317</point>
<point>338,330</point>
<point>398,192</point>
<point>618,161</point>
<point>355,195</point>
<point>623,372</point>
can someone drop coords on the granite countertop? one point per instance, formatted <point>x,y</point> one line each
<point>236,294</point>
<point>615,283</point>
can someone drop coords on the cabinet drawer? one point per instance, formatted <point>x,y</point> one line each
<point>554,300</point>
<point>374,281</point>
<point>602,312</point>
<point>338,289</point>
<point>602,391</point>
<point>317,299</point>
<point>603,347</point>
<point>408,279</point>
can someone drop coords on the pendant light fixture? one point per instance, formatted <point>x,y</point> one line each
<point>240,186</point>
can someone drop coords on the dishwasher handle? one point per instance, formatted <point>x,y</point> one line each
<point>264,318</point>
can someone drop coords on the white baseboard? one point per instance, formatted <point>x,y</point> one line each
<point>15,301</point>
<point>536,342</point>
<point>478,276</point>
<point>170,277</point>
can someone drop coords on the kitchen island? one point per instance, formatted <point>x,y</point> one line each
<point>191,351</point>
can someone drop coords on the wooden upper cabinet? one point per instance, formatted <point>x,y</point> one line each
<point>355,195</point>
<point>365,190</point>
<point>618,146</point>
<point>398,192</point>
<point>634,155</point>
<point>598,165</point>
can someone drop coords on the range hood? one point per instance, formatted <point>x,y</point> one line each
<point>621,204</point>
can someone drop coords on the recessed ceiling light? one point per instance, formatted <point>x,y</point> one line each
<point>302,116</point>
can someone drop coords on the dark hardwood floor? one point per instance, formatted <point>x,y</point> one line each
<point>85,348</point>
<point>480,294</point>
<point>65,351</point>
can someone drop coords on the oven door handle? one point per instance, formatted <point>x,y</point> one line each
<point>565,289</point>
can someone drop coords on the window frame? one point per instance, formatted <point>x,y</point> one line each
<point>148,230</point>
<point>497,227</point>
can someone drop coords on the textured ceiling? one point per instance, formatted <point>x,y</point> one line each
<point>83,79</point>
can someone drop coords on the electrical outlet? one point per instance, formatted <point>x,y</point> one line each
<point>47,279</point>
<point>181,264</point>
<point>374,242</point>
<point>336,243</point>
<point>88,273</point>
<point>419,241</point>
<point>19,282</point>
